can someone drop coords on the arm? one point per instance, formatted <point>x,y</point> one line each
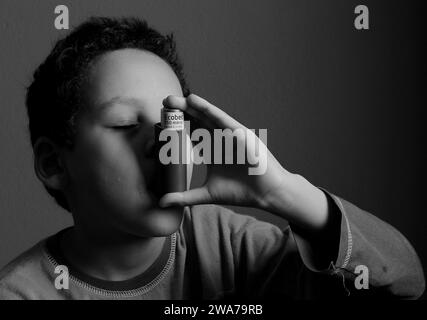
<point>325,228</point>
<point>362,245</point>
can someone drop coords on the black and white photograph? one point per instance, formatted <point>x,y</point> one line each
<point>212,151</point>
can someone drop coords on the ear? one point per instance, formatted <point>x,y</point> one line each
<point>48,164</point>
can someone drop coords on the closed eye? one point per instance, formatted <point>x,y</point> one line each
<point>127,126</point>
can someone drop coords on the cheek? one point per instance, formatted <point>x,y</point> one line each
<point>108,167</point>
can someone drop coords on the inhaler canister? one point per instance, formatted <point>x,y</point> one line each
<point>172,177</point>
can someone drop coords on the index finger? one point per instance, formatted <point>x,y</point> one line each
<point>202,110</point>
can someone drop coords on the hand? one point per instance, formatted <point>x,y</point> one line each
<point>276,190</point>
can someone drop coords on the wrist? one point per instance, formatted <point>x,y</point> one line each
<point>299,202</point>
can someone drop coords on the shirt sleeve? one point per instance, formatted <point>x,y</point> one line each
<point>373,260</point>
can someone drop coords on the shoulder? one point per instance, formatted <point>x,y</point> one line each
<point>22,273</point>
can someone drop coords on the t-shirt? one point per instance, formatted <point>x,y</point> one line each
<point>220,254</point>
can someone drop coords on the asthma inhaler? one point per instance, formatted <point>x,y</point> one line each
<point>172,177</point>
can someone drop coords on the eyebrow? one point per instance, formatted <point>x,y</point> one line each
<point>119,100</point>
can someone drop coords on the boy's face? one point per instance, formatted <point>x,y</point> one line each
<point>111,167</point>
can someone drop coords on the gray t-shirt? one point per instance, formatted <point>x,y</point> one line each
<point>217,254</point>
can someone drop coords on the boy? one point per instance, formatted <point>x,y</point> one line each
<point>92,105</point>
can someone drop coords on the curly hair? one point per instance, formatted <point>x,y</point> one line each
<point>54,98</point>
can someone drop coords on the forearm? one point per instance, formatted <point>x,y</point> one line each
<point>300,203</point>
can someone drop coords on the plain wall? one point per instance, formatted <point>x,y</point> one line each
<point>342,107</point>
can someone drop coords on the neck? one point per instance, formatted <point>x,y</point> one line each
<point>116,257</point>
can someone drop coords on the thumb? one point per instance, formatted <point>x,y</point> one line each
<point>186,198</point>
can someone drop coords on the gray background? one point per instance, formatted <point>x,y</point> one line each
<point>342,107</point>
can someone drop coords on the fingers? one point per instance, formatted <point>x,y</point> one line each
<point>175,102</point>
<point>186,198</point>
<point>203,111</point>
<point>182,104</point>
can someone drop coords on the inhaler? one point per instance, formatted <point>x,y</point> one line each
<point>171,177</point>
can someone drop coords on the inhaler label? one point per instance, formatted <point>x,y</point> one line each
<point>172,119</point>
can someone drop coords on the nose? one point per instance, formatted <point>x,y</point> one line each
<point>147,158</point>
<point>150,148</point>
<point>144,141</point>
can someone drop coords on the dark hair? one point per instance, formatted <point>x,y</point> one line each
<point>54,98</point>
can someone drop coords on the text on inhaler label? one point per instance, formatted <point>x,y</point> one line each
<point>172,119</point>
